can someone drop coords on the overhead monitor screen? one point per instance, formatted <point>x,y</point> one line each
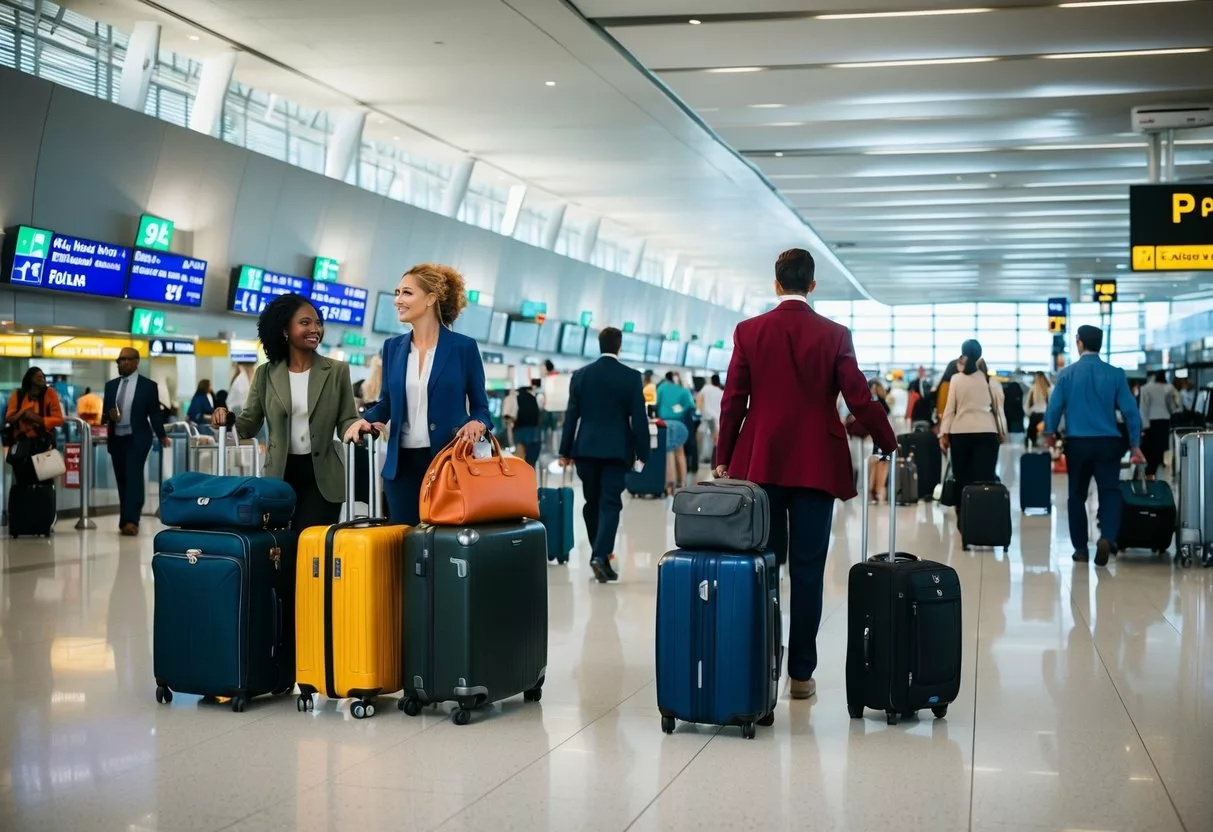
<point>523,335</point>
<point>501,322</point>
<point>718,358</point>
<point>673,353</point>
<point>475,322</point>
<point>652,352</point>
<point>162,277</point>
<point>633,347</point>
<point>42,259</point>
<point>339,303</point>
<point>696,356</point>
<point>386,321</point>
<point>592,350</point>
<point>253,288</point>
<point>572,339</point>
<point>549,337</point>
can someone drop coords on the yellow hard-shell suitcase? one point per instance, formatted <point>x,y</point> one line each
<point>348,609</point>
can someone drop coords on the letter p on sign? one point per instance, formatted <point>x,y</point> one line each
<point>1181,204</point>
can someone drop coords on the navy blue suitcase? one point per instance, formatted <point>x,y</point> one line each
<point>650,482</point>
<point>556,515</point>
<point>718,638</point>
<point>201,501</point>
<point>224,622</point>
<point>1036,483</point>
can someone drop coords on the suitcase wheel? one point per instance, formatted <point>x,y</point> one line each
<point>856,711</point>
<point>891,717</point>
<point>940,711</point>
<point>461,716</point>
<point>304,703</point>
<point>410,706</point>
<point>363,709</point>
<point>668,724</point>
<point>239,703</point>
<point>163,695</point>
<point>533,695</point>
<point>749,730</point>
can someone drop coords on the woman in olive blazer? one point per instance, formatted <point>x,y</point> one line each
<point>307,401</point>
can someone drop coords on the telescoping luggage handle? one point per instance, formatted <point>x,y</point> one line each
<point>351,479</point>
<point>892,499</point>
<point>221,453</point>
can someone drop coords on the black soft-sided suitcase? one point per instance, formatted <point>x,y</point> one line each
<point>923,448</point>
<point>986,515</point>
<point>1036,483</point>
<point>906,475</point>
<point>903,633</point>
<point>31,510</point>
<point>650,481</point>
<point>1149,517</point>
<point>475,615</point>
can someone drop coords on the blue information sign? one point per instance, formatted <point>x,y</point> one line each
<point>161,277</point>
<point>339,303</point>
<point>254,288</point>
<point>69,264</point>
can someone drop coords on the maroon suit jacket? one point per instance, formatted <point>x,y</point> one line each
<point>779,421</point>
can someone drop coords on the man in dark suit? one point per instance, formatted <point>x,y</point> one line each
<point>606,431</point>
<point>779,427</point>
<point>132,416</point>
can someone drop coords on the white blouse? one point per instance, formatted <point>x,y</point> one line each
<point>416,433</point>
<point>301,439</point>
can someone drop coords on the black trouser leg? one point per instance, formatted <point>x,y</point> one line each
<point>590,471</point>
<point>311,508</point>
<point>1158,438</point>
<point>404,492</point>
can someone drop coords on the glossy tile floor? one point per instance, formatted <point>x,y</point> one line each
<point>1087,705</point>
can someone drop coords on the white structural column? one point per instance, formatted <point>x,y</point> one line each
<point>636,259</point>
<point>137,67</point>
<point>1168,156</point>
<point>671,270</point>
<point>513,210</point>
<point>551,230</point>
<point>589,240</point>
<point>457,188</point>
<point>345,142</point>
<point>213,84</point>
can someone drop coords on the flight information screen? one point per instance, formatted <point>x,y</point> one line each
<point>253,288</point>
<point>45,260</point>
<point>339,303</point>
<point>161,277</point>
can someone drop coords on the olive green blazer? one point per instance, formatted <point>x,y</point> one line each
<point>331,410</point>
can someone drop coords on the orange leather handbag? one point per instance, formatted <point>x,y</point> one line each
<point>459,489</point>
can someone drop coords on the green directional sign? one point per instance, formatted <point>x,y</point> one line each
<point>353,339</point>
<point>250,278</point>
<point>474,296</point>
<point>719,345</point>
<point>150,322</point>
<point>33,242</point>
<point>325,270</point>
<point>675,336</point>
<point>155,233</point>
<point>587,317</point>
<point>629,326</point>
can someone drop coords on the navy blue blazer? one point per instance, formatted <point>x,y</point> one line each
<point>606,417</point>
<point>146,416</point>
<point>456,391</point>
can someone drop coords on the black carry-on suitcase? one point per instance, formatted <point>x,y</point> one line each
<point>986,516</point>
<point>903,632</point>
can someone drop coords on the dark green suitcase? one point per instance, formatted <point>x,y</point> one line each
<point>475,615</point>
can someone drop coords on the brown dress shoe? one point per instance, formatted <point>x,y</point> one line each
<point>129,530</point>
<point>805,689</point>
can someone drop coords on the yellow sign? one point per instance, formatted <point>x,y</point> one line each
<point>1105,291</point>
<point>1182,203</point>
<point>70,346</point>
<point>16,346</point>
<point>1057,324</point>
<point>1172,258</point>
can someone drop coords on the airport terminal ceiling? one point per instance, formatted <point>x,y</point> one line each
<point>972,152</point>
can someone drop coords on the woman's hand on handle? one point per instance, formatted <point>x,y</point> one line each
<point>219,418</point>
<point>360,429</point>
<point>472,432</point>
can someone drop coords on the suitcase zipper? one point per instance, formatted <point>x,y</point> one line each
<point>192,556</point>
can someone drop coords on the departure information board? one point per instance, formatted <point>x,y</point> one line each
<point>254,288</point>
<point>162,277</point>
<point>1059,314</point>
<point>339,303</point>
<point>45,260</point>
<point>1171,227</point>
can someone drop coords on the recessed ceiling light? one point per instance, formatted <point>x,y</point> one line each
<point>930,151</point>
<point>1089,4</point>
<point>192,37</point>
<point>766,106</point>
<point>920,62</point>
<point>395,138</point>
<point>993,175</point>
<point>550,83</point>
<point>721,70</point>
<point>779,154</point>
<point>694,22</point>
<point>1130,53</point>
<point>919,13</point>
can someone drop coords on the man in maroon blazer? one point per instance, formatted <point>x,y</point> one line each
<point>779,427</point>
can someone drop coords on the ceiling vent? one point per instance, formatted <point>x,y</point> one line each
<point>1172,117</point>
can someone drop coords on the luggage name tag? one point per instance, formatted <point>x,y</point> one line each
<point>276,558</point>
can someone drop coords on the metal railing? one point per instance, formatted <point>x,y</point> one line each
<point>86,471</point>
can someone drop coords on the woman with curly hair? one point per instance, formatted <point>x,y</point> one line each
<point>306,400</point>
<point>433,386</point>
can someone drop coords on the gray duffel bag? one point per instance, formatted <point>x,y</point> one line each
<point>722,516</point>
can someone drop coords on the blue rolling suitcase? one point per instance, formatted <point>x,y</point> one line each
<point>718,638</point>
<point>556,515</point>
<point>225,613</point>
<point>1036,483</point>
<point>650,482</point>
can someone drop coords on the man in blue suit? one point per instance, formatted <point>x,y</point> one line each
<point>606,430</point>
<point>132,416</point>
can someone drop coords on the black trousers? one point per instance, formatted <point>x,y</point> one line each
<point>801,519</point>
<point>311,508</point>
<point>404,492</point>
<point>130,462</point>
<point>974,460</point>
<point>1155,444</point>
<point>602,482</point>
